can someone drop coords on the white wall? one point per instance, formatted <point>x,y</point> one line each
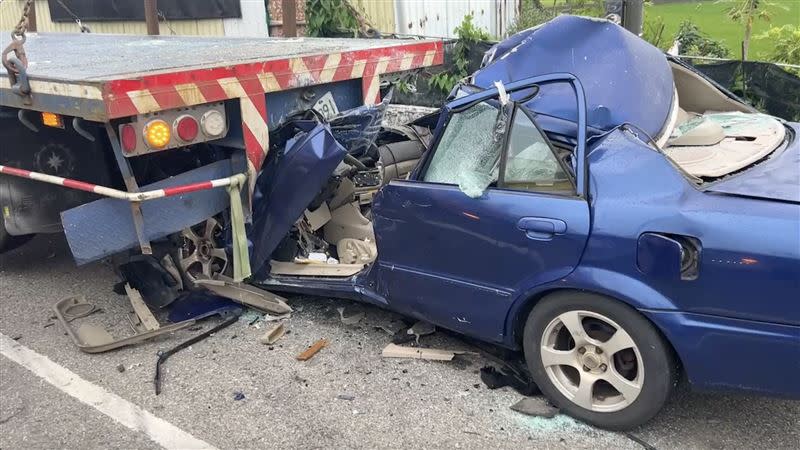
<point>252,23</point>
<point>441,17</point>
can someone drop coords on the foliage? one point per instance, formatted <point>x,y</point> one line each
<point>531,14</point>
<point>653,32</point>
<point>330,18</point>
<point>710,17</point>
<point>746,12</point>
<point>694,42</point>
<point>468,35</point>
<point>785,43</point>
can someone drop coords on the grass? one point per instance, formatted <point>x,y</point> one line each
<point>710,17</point>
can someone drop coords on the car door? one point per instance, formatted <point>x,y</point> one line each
<point>490,213</point>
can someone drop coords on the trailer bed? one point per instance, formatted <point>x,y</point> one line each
<point>101,77</point>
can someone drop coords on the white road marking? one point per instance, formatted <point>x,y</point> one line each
<point>132,416</point>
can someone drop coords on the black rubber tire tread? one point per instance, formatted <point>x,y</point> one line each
<point>660,364</point>
<point>9,242</point>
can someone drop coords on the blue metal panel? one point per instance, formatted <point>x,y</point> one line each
<point>288,183</point>
<point>750,248</point>
<point>104,227</point>
<point>734,355</point>
<point>346,94</point>
<point>626,79</point>
<point>461,262</point>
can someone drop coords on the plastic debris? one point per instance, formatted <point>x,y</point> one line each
<point>421,328</point>
<point>349,397</point>
<point>238,396</point>
<point>495,379</point>
<point>349,317</point>
<point>273,334</point>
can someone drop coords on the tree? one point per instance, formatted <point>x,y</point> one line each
<point>746,12</point>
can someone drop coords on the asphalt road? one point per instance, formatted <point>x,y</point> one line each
<point>288,403</point>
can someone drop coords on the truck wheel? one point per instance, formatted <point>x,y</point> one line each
<point>9,242</point>
<point>598,360</point>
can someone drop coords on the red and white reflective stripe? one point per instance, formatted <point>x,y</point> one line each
<point>157,92</point>
<point>122,195</point>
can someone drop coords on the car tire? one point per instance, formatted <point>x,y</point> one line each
<point>9,242</point>
<point>624,385</point>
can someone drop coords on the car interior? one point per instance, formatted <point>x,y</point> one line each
<point>711,135</point>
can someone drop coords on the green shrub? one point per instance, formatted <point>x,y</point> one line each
<point>694,42</point>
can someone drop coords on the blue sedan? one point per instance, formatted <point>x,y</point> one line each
<point>585,199</point>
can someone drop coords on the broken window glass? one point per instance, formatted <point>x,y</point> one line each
<point>468,154</point>
<point>531,164</point>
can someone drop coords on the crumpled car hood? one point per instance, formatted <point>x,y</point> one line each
<point>777,178</point>
<point>626,79</point>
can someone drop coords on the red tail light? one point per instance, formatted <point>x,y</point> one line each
<point>128,138</point>
<point>186,127</point>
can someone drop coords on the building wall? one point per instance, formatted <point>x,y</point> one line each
<point>379,13</point>
<point>253,22</point>
<point>440,18</point>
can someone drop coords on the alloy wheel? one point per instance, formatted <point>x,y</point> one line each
<point>592,361</point>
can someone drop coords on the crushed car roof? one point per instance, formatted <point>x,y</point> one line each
<point>626,79</point>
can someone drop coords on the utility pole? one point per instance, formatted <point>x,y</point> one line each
<point>151,16</point>
<point>289,27</point>
<point>32,18</point>
<point>628,13</point>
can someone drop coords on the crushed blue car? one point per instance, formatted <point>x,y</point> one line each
<point>582,199</point>
<point>585,199</point>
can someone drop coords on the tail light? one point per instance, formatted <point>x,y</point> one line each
<point>128,138</point>
<point>175,128</point>
<point>186,128</point>
<point>157,134</point>
<point>213,123</point>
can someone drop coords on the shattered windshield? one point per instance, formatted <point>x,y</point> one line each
<point>468,154</point>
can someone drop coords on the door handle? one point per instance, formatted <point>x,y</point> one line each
<point>541,228</point>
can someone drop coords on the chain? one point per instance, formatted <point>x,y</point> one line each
<point>22,25</point>
<point>14,59</point>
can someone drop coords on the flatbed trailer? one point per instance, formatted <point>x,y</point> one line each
<point>84,124</point>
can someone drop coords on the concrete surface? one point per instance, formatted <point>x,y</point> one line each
<point>398,403</point>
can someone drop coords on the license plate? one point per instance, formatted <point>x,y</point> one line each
<point>326,106</point>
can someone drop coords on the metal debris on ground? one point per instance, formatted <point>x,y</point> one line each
<point>398,351</point>
<point>162,356</point>
<point>238,396</point>
<point>349,316</point>
<point>349,397</point>
<point>273,334</point>
<point>535,406</point>
<point>313,350</point>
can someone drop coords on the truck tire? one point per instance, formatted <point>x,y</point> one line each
<point>598,359</point>
<point>9,242</point>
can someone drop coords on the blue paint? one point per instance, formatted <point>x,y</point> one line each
<point>626,79</point>
<point>477,265</point>
<point>778,177</point>
<point>289,181</point>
